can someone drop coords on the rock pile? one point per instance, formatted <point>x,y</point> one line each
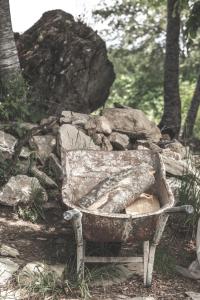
<point>65,63</point>
<point>115,129</point>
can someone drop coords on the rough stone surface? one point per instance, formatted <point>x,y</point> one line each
<point>106,144</point>
<point>70,138</point>
<point>6,250</point>
<point>99,124</point>
<point>65,63</point>
<point>70,117</point>
<point>177,147</point>
<point>7,143</point>
<point>119,141</point>
<point>44,145</point>
<point>7,269</point>
<point>18,190</point>
<point>10,294</point>
<point>177,167</point>
<point>193,296</point>
<point>133,122</point>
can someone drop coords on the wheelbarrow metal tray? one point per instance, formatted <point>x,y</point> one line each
<point>84,169</point>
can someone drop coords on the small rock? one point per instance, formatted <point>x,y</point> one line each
<point>171,154</point>
<point>193,296</point>
<point>177,147</point>
<point>132,122</point>
<point>25,153</point>
<point>70,138</point>
<point>19,189</point>
<point>99,124</point>
<point>177,167</point>
<point>119,141</point>
<point>97,138</point>
<point>103,125</point>
<point>7,269</point>
<point>7,144</point>
<point>70,117</point>
<point>6,250</point>
<point>9,294</point>
<point>106,144</point>
<point>48,120</point>
<point>27,126</point>
<point>44,145</point>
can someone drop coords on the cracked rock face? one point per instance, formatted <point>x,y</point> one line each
<point>65,63</point>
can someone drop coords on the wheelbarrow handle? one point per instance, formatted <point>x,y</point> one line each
<point>181,209</point>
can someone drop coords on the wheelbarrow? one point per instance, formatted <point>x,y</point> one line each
<point>83,170</point>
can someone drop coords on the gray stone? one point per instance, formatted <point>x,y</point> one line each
<point>48,120</point>
<point>9,294</point>
<point>25,153</point>
<point>97,138</point>
<point>44,145</point>
<point>19,189</point>
<point>133,122</point>
<point>6,250</point>
<point>171,154</point>
<point>7,269</point>
<point>119,141</point>
<point>177,167</point>
<point>106,144</point>
<point>70,117</point>
<point>193,296</point>
<point>7,144</point>
<point>70,138</point>
<point>177,147</point>
<point>99,124</point>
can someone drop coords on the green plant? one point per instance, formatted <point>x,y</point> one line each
<point>189,193</point>
<point>164,262</point>
<point>33,211</point>
<point>13,100</point>
<point>41,284</point>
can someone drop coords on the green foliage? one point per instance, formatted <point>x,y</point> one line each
<point>136,33</point>
<point>41,283</point>
<point>13,97</point>
<point>33,210</point>
<point>165,262</point>
<point>189,193</point>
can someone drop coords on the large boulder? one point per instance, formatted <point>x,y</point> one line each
<point>132,122</point>
<point>65,63</point>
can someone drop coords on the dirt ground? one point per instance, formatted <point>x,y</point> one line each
<point>52,241</point>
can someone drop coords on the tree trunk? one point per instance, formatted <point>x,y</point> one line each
<point>192,112</point>
<point>9,62</point>
<point>171,119</point>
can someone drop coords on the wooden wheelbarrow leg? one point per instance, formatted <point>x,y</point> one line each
<point>76,216</point>
<point>158,234</point>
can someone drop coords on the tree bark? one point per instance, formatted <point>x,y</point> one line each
<point>171,119</point>
<point>192,112</point>
<point>9,62</point>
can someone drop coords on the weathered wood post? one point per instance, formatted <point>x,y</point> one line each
<point>76,216</point>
